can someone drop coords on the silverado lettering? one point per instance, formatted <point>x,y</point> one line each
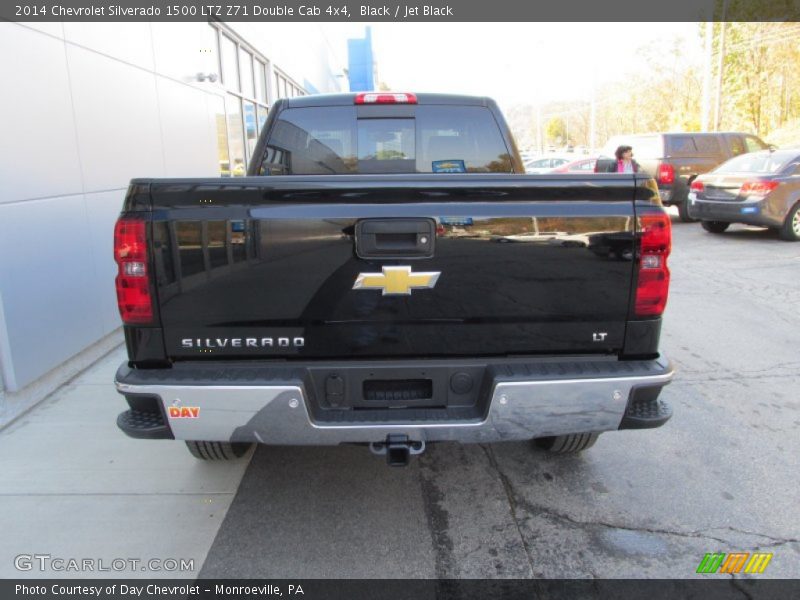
<point>269,342</point>
<point>386,274</point>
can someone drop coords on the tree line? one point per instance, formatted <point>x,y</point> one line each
<point>754,69</point>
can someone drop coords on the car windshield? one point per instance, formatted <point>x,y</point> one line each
<point>757,162</point>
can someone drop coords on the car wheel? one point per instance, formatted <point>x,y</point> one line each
<point>217,450</point>
<point>715,226</point>
<point>567,444</point>
<point>683,211</point>
<point>791,226</point>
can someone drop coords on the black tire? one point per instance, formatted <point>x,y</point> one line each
<point>567,444</point>
<point>683,211</point>
<point>791,225</point>
<point>217,450</point>
<point>715,226</point>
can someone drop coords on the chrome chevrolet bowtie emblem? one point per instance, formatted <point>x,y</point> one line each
<point>396,281</point>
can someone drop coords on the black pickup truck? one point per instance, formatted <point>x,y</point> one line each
<point>387,275</point>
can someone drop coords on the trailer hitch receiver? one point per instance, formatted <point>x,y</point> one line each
<point>397,449</point>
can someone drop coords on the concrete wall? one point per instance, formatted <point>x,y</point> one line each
<point>86,107</point>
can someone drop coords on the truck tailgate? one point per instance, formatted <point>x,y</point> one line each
<point>341,266</point>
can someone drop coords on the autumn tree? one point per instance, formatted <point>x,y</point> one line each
<point>556,130</point>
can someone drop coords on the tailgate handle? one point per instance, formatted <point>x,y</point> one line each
<point>395,238</point>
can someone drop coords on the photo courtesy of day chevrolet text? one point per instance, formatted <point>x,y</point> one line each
<point>151,590</point>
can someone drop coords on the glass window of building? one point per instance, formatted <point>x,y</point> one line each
<point>246,73</point>
<point>262,116</point>
<point>235,135</point>
<point>241,114</point>
<point>250,126</point>
<point>218,109</point>
<point>261,82</point>
<point>230,71</point>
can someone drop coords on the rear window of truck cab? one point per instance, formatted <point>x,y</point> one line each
<point>431,139</point>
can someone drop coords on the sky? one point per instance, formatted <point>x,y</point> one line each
<point>515,63</point>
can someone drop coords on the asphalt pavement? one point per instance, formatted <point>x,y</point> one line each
<point>721,476</point>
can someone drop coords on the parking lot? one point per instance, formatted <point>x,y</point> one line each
<point>721,476</point>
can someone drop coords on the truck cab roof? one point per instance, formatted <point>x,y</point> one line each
<point>349,99</point>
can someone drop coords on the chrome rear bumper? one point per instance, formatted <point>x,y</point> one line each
<point>519,408</point>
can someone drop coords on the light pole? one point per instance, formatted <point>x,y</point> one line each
<point>720,68</point>
<point>705,107</point>
<point>539,136</point>
<point>592,114</point>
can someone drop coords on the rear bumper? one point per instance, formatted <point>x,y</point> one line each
<point>751,212</point>
<point>523,399</point>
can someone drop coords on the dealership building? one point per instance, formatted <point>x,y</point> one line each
<point>88,106</point>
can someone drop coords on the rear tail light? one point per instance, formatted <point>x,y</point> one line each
<point>697,187</point>
<point>666,174</point>
<point>757,188</point>
<point>655,232</point>
<point>133,283</point>
<point>385,98</point>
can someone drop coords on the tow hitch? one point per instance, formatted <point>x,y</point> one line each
<point>397,449</point>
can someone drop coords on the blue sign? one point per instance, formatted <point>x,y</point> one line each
<point>360,63</point>
<point>458,221</point>
<point>448,166</point>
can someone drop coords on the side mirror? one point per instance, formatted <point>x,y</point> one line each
<point>772,147</point>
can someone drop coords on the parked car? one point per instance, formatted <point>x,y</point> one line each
<point>351,315</point>
<point>545,164</point>
<point>582,165</point>
<point>676,159</point>
<point>760,188</point>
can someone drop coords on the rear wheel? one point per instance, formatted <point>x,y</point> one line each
<point>715,226</point>
<point>567,444</point>
<point>217,450</point>
<point>791,226</point>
